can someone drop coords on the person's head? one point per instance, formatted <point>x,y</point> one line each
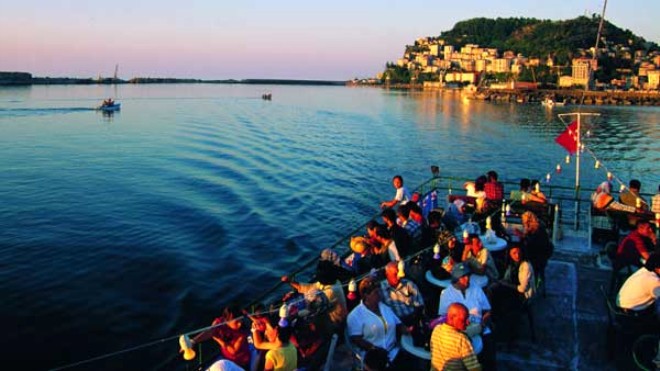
<point>653,263</point>
<point>276,332</point>
<point>392,274</point>
<point>604,187</point>
<point>371,228</point>
<point>435,219</point>
<point>414,209</point>
<point>397,181</point>
<point>516,254</point>
<point>534,183</point>
<point>359,245</point>
<point>643,227</point>
<point>382,233</point>
<point>460,276</point>
<point>231,316</point>
<point>475,243</point>
<point>530,222</point>
<point>480,183</point>
<point>403,212</point>
<point>492,176</point>
<point>376,359</point>
<point>524,184</point>
<point>635,185</point>
<point>389,216</point>
<point>369,291</point>
<point>457,316</point>
<point>326,272</point>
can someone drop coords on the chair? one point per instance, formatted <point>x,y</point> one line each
<point>618,335</point>
<point>358,359</point>
<point>331,353</point>
<point>619,273</point>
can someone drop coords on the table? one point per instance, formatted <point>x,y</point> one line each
<point>409,346</point>
<point>475,279</point>
<point>498,244</point>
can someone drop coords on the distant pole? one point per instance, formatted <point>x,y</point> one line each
<point>577,171</point>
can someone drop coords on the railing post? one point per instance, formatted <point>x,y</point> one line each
<point>555,225</point>
<point>577,208</point>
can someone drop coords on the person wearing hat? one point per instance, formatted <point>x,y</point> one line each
<point>639,295</point>
<point>475,300</point>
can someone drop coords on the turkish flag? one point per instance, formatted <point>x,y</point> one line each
<point>568,138</point>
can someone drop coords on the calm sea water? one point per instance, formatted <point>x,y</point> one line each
<point>120,230</point>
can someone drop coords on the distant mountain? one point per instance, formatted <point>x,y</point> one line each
<point>540,38</point>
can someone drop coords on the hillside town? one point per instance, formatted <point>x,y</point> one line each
<point>444,65</point>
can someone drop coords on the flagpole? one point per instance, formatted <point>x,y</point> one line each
<point>577,172</point>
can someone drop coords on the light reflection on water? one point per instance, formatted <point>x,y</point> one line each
<point>196,195</point>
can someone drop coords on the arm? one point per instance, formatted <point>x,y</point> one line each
<point>269,366</point>
<point>259,341</point>
<point>524,277</point>
<point>233,345</point>
<point>390,203</point>
<point>360,342</point>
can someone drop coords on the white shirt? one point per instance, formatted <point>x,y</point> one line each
<point>474,300</point>
<point>402,195</point>
<point>640,290</point>
<point>379,331</point>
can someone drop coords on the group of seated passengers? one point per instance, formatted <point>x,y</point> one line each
<point>108,102</point>
<point>630,203</point>
<point>396,300</point>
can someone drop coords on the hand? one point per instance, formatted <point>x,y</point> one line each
<point>285,279</point>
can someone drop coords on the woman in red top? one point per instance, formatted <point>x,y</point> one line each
<point>231,337</point>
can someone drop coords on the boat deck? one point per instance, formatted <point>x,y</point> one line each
<point>571,321</point>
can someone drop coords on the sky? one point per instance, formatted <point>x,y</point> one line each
<point>240,39</point>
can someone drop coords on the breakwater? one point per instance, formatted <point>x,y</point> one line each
<point>636,98</point>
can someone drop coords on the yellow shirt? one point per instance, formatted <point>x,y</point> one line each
<point>284,358</point>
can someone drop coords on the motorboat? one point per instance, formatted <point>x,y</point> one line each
<point>549,102</point>
<point>109,105</point>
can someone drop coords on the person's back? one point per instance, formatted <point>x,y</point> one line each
<point>450,347</point>
<point>284,358</point>
<point>636,246</point>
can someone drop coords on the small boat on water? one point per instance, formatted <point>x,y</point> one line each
<point>109,105</point>
<point>549,102</point>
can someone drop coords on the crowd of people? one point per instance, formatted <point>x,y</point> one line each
<point>378,292</point>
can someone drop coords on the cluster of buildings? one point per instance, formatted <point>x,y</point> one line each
<point>468,64</point>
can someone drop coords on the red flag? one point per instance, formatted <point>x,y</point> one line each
<point>568,138</point>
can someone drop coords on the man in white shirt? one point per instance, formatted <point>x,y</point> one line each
<point>639,295</point>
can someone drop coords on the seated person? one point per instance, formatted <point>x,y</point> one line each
<point>402,239</point>
<point>602,200</point>
<point>281,353</point>
<point>478,307</point>
<point>451,253</point>
<point>636,246</point>
<point>230,336</point>
<point>479,259</point>
<point>372,324</point>
<point>455,214</point>
<point>357,261</point>
<point>633,198</point>
<point>388,249</point>
<point>639,295</point>
<point>401,295</point>
<point>655,203</point>
<point>494,189</point>
<point>402,195</point>
<point>451,349</point>
<point>517,285</point>
<point>328,284</point>
<point>536,193</point>
<point>412,228</point>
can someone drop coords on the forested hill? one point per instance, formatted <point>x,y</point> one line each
<point>540,38</point>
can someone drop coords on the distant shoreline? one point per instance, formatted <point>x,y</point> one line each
<point>25,78</point>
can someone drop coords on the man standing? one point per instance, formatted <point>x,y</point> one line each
<point>402,195</point>
<point>450,347</point>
